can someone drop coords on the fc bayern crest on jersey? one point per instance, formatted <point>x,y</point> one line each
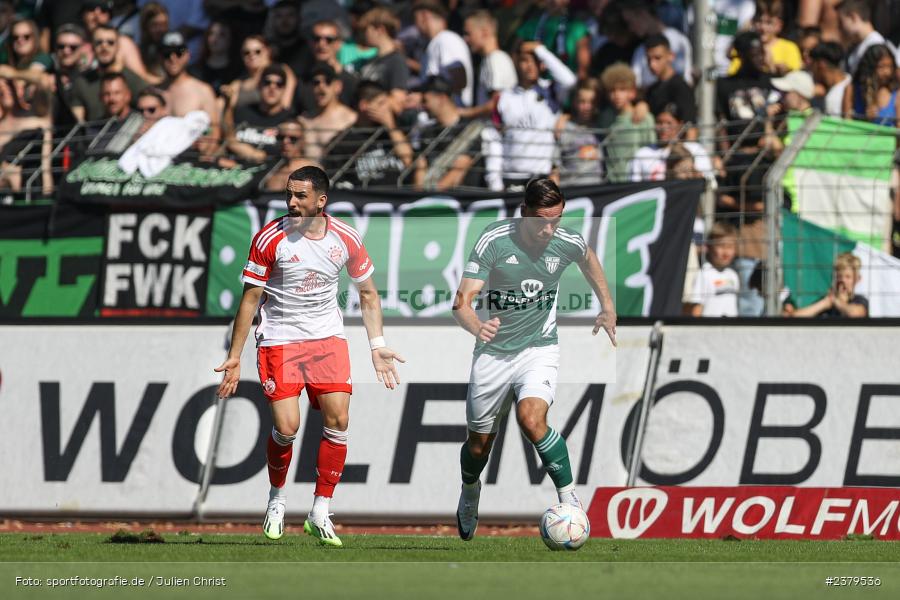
<point>552,263</point>
<point>269,386</point>
<point>336,254</point>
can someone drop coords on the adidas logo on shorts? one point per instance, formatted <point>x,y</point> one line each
<point>547,383</point>
<point>512,260</point>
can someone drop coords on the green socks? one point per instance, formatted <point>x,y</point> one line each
<point>470,466</point>
<point>555,456</point>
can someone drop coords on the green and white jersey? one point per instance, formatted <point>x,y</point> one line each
<point>520,288</point>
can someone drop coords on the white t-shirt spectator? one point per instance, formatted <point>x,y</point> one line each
<point>649,162</point>
<point>834,98</point>
<point>681,47</point>
<point>717,291</point>
<point>870,40</point>
<point>497,73</point>
<point>447,50</point>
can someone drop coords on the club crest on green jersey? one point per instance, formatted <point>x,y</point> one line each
<point>552,263</point>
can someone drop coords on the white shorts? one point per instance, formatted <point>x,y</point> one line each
<point>497,380</point>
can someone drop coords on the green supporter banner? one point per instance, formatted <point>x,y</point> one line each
<point>419,245</point>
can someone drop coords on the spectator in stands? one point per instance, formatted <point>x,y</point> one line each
<point>388,68</point>
<point>256,55</point>
<point>446,55</point>
<point>680,163</point>
<point>330,116</point>
<point>218,64</point>
<point>732,16</point>
<point>669,87</point>
<point>808,38</point>
<point>154,25</point>
<point>643,22</point>
<point>872,95</point>
<point>283,34</point>
<point>290,140</point>
<point>497,71</point>
<point>151,104</point>
<point>650,162</point>
<point>841,300</point>
<point>618,43</point>
<point>743,96</point>
<point>126,18</point>
<point>25,135</point>
<point>566,37</point>
<point>579,152</point>
<point>115,96</point>
<point>828,73</point>
<point>98,13</point>
<point>451,142</point>
<point>355,52</point>
<point>528,115</point>
<point>183,92</point>
<point>325,39</point>
<point>189,18</point>
<point>254,135</point>
<point>22,49</point>
<point>797,91</point>
<point>782,55</point>
<point>716,286</point>
<point>625,136</point>
<point>7,14</point>
<point>85,103</point>
<point>356,158</point>
<point>855,21</point>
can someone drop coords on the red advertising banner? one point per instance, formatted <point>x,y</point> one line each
<point>763,512</point>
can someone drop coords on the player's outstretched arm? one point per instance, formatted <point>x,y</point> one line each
<point>242,321</point>
<point>382,356</point>
<point>466,316</point>
<point>593,273</point>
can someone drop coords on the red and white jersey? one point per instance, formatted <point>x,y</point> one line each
<point>300,276</point>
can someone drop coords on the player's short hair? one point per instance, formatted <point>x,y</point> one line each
<point>860,8</point>
<point>721,230</point>
<point>830,52</point>
<point>314,175</point>
<point>847,260</point>
<point>485,19</point>
<point>657,39</point>
<point>618,75</point>
<point>542,192</point>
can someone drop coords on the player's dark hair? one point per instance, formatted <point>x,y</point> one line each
<point>314,175</point>
<point>542,192</point>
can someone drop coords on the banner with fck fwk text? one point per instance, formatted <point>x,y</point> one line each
<point>419,245</point>
<point>155,264</point>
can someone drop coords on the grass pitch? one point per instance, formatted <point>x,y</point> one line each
<point>421,567</point>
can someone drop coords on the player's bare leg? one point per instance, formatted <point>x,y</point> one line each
<point>335,408</point>
<point>551,447</point>
<point>286,422</point>
<point>473,457</point>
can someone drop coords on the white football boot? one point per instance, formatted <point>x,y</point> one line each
<point>273,525</point>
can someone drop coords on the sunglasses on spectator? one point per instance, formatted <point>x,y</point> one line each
<point>279,83</point>
<point>104,42</point>
<point>291,139</point>
<point>179,52</point>
<point>320,81</point>
<point>69,47</point>
<point>25,37</point>
<point>325,38</point>
<point>252,52</point>
<point>148,110</point>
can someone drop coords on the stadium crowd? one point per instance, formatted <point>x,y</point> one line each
<point>433,94</point>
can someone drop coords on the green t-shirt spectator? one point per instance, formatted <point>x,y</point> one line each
<point>353,56</point>
<point>623,141</point>
<point>559,34</point>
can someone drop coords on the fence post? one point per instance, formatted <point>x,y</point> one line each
<point>774,201</point>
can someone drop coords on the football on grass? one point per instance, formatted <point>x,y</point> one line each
<point>564,527</point>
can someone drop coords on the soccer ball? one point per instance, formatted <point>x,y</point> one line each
<point>564,527</point>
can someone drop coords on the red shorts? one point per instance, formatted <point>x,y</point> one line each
<point>321,366</point>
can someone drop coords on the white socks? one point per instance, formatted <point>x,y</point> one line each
<point>275,492</point>
<point>320,508</point>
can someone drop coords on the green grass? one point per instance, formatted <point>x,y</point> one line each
<point>399,567</point>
